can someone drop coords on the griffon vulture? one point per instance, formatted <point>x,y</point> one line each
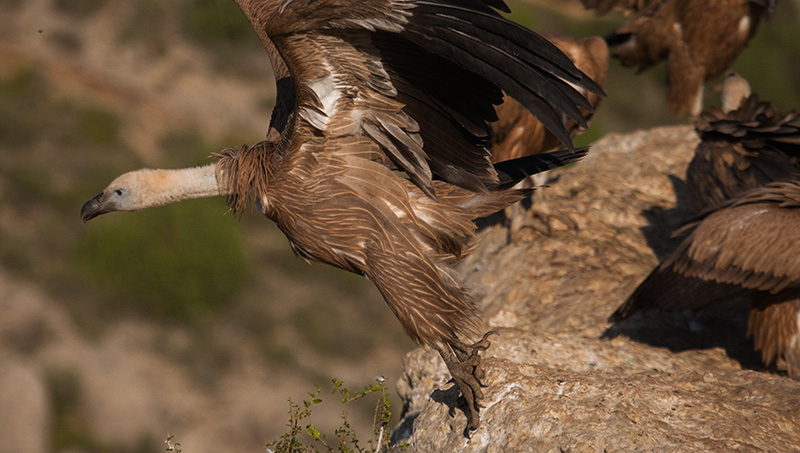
<point>699,39</point>
<point>376,157</point>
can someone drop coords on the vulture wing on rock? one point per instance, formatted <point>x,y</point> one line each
<point>746,247</point>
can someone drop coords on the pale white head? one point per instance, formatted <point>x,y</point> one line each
<point>735,90</point>
<point>129,192</point>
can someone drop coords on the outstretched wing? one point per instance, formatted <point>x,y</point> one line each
<point>417,77</point>
<point>747,244</point>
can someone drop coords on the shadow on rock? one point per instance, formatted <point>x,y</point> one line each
<point>724,327</point>
<point>663,222</point>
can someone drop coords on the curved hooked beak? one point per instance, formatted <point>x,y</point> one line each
<point>94,208</point>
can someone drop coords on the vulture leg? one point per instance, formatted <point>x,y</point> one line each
<point>792,358</point>
<point>685,80</point>
<point>464,363</point>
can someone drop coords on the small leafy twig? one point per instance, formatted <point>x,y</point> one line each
<point>346,439</point>
<point>172,446</point>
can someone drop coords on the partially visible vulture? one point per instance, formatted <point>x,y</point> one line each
<point>376,157</point>
<point>517,133</point>
<point>746,144</point>
<point>628,6</point>
<point>748,247</point>
<point>699,39</point>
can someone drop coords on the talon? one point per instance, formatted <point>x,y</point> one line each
<point>464,363</point>
<point>484,342</point>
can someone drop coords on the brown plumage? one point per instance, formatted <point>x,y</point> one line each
<point>699,39</point>
<point>628,6</point>
<point>376,159</point>
<point>746,247</point>
<point>517,133</point>
<point>746,144</point>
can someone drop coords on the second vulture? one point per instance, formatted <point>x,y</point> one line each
<point>699,39</point>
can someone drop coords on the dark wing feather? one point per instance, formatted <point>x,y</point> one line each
<point>511,172</point>
<point>484,40</point>
<point>756,124</point>
<point>668,291</point>
<point>747,244</point>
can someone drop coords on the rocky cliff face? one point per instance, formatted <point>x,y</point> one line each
<point>559,377</point>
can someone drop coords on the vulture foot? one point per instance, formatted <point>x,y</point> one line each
<point>464,363</point>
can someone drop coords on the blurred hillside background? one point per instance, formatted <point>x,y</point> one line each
<point>185,319</point>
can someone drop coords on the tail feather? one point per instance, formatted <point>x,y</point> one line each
<point>513,171</point>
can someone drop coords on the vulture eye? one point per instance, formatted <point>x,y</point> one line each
<point>118,192</point>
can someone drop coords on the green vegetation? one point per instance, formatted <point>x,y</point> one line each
<point>214,22</point>
<point>78,8</point>
<point>221,28</point>
<point>304,436</point>
<point>99,127</point>
<point>148,23</point>
<point>30,114</point>
<point>172,445</point>
<point>177,262</point>
<point>70,430</point>
<point>23,97</point>
<point>68,427</point>
<point>768,62</point>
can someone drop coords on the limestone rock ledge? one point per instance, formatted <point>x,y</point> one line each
<point>559,377</point>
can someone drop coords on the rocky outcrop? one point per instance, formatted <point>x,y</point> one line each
<point>559,377</point>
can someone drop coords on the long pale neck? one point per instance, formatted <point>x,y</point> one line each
<point>169,186</point>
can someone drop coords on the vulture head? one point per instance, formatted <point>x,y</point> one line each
<point>126,193</point>
<point>735,90</point>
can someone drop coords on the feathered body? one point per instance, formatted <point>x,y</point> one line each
<point>699,39</point>
<point>746,247</point>
<point>373,223</point>
<point>376,158</point>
